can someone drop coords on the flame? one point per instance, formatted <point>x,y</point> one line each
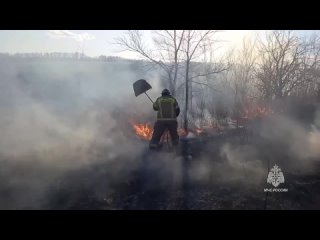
<point>144,131</point>
<point>199,130</point>
<point>257,111</point>
<point>254,112</point>
<point>182,132</point>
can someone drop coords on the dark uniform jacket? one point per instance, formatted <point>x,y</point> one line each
<point>167,107</point>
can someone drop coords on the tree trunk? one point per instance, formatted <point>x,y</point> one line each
<point>187,98</point>
<point>191,96</point>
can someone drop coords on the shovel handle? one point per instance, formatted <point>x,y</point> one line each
<point>148,97</point>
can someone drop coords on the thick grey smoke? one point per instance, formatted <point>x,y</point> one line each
<point>67,123</point>
<point>281,140</point>
<point>60,116</point>
<point>300,142</point>
<point>285,139</point>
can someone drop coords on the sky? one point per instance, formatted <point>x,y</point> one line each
<point>93,42</point>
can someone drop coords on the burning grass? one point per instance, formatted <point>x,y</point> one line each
<point>144,131</point>
<point>257,111</point>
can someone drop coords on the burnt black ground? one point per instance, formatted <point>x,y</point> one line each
<point>165,180</point>
<point>147,187</point>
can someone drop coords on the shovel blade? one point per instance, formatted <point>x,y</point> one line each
<point>141,86</point>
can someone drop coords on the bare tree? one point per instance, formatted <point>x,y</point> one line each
<point>311,70</point>
<point>241,76</point>
<point>198,115</point>
<point>195,45</point>
<point>282,66</point>
<point>166,55</point>
<point>177,52</point>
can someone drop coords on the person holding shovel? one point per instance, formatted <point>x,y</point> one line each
<point>168,111</point>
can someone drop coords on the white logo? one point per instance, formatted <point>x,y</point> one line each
<point>275,177</point>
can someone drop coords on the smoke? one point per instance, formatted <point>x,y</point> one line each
<point>300,142</point>
<point>231,164</point>
<point>61,117</point>
<point>65,132</point>
<point>282,139</point>
<point>244,162</point>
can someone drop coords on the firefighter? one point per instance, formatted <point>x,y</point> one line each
<point>168,111</point>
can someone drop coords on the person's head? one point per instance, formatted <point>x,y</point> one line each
<point>165,92</point>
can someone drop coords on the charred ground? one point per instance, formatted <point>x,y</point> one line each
<point>211,179</point>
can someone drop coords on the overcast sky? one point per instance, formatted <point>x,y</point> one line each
<point>93,42</point>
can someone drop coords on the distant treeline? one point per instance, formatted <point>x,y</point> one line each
<point>64,56</point>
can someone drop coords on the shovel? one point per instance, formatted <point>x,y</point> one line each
<point>141,86</point>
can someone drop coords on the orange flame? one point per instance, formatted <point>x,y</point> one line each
<point>257,112</point>
<point>144,131</point>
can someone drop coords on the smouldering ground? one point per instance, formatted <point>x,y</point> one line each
<point>158,183</point>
